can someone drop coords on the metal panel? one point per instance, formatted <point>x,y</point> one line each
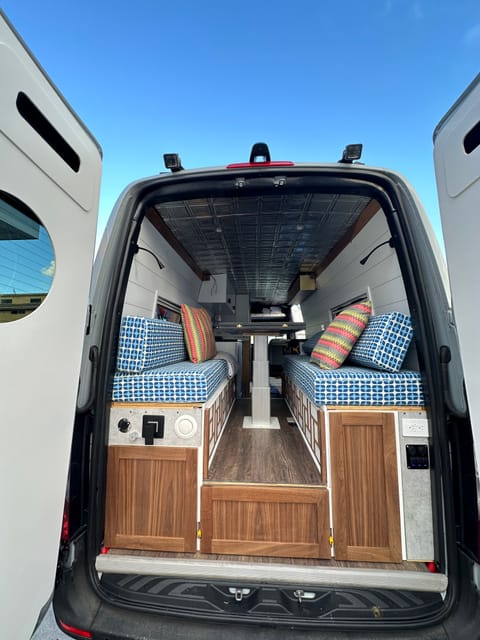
<point>262,242</point>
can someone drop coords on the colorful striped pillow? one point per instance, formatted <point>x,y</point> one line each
<point>337,340</point>
<point>198,332</point>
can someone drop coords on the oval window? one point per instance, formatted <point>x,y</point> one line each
<point>27,260</point>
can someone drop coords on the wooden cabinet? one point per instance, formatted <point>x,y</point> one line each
<point>366,513</point>
<point>151,498</point>
<point>214,418</point>
<point>311,422</point>
<point>265,520</point>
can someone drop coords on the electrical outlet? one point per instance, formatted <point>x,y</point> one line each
<point>415,427</point>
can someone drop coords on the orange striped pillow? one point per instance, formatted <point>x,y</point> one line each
<point>338,339</point>
<point>198,332</point>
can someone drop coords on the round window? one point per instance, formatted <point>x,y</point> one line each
<point>27,260</point>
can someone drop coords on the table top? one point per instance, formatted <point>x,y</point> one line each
<point>259,327</point>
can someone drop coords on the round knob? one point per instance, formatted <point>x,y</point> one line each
<point>123,425</point>
<point>133,435</point>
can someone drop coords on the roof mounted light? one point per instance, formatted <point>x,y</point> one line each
<point>351,152</point>
<point>260,153</point>
<point>172,162</point>
<point>260,157</point>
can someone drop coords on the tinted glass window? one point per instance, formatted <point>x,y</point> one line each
<point>27,260</point>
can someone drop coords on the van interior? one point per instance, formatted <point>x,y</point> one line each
<point>233,455</point>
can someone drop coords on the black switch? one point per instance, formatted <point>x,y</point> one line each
<point>152,427</point>
<point>417,456</point>
<point>123,425</point>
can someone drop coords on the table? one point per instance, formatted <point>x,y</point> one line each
<point>261,417</point>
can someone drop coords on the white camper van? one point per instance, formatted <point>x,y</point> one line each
<point>260,416</point>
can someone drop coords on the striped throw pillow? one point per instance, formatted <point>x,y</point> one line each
<point>337,340</point>
<point>198,332</point>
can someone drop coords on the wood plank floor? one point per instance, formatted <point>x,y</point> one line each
<point>278,456</point>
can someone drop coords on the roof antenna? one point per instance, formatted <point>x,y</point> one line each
<point>260,153</point>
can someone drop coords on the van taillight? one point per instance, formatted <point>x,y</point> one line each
<point>478,540</point>
<point>66,523</point>
<point>79,633</point>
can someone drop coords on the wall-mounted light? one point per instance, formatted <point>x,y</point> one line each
<point>160,264</point>
<point>389,242</point>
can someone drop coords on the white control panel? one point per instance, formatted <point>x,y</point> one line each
<point>155,425</point>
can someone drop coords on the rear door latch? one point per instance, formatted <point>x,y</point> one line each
<point>238,593</point>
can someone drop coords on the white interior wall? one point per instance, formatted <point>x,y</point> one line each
<point>346,278</point>
<point>176,282</point>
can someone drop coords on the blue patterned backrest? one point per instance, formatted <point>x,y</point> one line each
<point>145,343</point>
<point>384,342</point>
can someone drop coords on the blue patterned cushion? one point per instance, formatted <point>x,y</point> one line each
<point>384,342</point>
<point>147,342</point>
<point>180,382</point>
<point>354,385</point>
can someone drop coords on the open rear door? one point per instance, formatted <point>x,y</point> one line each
<point>457,166</point>
<point>50,169</point>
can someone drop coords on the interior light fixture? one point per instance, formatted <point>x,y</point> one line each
<point>389,242</point>
<point>160,264</point>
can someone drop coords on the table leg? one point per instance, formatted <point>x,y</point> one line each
<point>260,418</point>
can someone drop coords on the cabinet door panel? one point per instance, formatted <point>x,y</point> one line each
<point>151,498</point>
<point>366,514</point>
<point>265,520</point>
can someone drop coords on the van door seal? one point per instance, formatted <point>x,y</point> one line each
<point>445,357</point>
<point>93,357</point>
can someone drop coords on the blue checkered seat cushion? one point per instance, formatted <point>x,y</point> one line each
<point>356,386</point>
<point>145,343</point>
<point>153,365</point>
<point>179,382</point>
<point>384,342</point>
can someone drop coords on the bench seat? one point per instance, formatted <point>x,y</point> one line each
<point>356,386</point>
<point>178,382</point>
<point>153,366</point>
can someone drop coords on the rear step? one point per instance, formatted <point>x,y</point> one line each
<point>256,572</point>
<point>275,603</point>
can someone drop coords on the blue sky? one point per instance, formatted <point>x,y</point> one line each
<point>208,79</point>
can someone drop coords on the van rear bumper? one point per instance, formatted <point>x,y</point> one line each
<point>106,613</point>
